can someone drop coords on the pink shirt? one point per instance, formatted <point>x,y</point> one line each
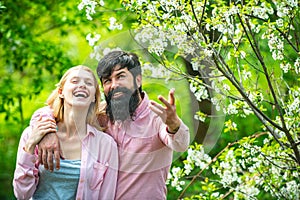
<point>145,154</point>
<point>98,171</point>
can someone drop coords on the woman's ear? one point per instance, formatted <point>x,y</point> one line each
<point>60,93</point>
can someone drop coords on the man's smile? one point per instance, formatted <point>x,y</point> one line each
<point>117,95</point>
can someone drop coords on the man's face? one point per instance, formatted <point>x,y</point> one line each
<point>121,93</point>
<point>119,78</point>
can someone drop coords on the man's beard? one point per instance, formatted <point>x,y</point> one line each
<point>122,107</point>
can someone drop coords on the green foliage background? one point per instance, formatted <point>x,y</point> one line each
<point>39,40</point>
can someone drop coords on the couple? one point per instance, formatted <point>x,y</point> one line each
<point>146,133</point>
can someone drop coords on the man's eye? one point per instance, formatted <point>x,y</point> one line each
<point>106,81</point>
<point>121,76</point>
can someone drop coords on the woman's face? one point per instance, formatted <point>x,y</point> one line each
<point>79,88</point>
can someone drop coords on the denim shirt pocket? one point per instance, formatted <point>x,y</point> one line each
<point>98,175</point>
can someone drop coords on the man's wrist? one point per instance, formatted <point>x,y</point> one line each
<point>174,126</point>
<point>174,130</point>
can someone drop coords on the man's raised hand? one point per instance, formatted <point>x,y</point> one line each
<point>168,112</point>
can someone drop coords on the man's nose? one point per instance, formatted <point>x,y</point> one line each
<point>114,84</point>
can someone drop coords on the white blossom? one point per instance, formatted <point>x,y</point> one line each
<point>297,65</point>
<point>92,40</point>
<point>282,9</point>
<point>226,87</point>
<point>243,54</point>
<point>96,53</point>
<point>285,67</point>
<point>169,5</point>
<point>294,106</point>
<point>246,74</point>
<point>188,169</point>
<point>195,65</point>
<point>158,71</point>
<point>199,91</point>
<point>141,2</point>
<point>114,25</point>
<point>262,11</point>
<point>208,52</point>
<point>276,46</point>
<point>231,109</point>
<point>157,45</point>
<point>89,6</point>
<point>279,22</point>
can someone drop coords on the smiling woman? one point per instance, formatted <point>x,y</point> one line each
<point>88,153</point>
<point>79,89</point>
<point>83,80</point>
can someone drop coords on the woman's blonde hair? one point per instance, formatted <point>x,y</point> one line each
<point>57,103</point>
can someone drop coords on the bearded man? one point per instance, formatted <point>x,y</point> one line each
<point>145,131</point>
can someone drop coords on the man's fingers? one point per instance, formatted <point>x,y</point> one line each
<point>40,155</point>
<point>57,159</point>
<point>171,101</point>
<point>156,110</point>
<point>171,96</point>
<point>159,110</point>
<point>48,145</point>
<point>157,106</point>
<point>164,101</point>
<point>50,160</point>
<point>44,159</point>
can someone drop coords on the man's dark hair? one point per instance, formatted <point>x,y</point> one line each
<point>121,60</point>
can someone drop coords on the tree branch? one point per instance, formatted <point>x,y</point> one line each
<point>214,160</point>
<point>278,108</point>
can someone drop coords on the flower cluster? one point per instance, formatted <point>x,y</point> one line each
<point>199,90</point>
<point>158,71</point>
<point>263,10</point>
<point>89,6</point>
<point>297,65</point>
<point>114,25</point>
<point>92,40</point>
<point>196,158</point>
<point>276,46</point>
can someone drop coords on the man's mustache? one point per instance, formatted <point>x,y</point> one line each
<point>123,90</point>
<point>123,106</point>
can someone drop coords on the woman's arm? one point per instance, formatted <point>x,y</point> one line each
<point>49,145</point>
<point>26,173</point>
